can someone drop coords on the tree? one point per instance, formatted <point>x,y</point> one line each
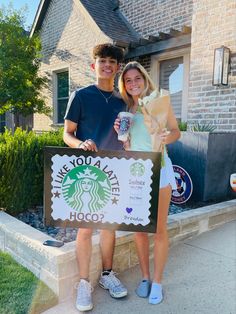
<point>20,83</point>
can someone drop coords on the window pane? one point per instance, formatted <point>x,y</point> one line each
<point>62,84</point>
<point>2,123</point>
<point>171,78</point>
<point>61,110</point>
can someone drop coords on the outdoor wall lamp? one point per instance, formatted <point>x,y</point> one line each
<point>221,66</point>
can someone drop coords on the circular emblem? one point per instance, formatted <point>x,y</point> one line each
<point>124,124</point>
<point>184,186</point>
<point>86,188</point>
<point>137,169</point>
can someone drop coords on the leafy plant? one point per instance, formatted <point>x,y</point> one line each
<point>182,126</point>
<point>202,127</point>
<point>20,83</point>
<point>21,168</point>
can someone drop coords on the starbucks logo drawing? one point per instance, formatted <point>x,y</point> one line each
<point>137,169</point>
<point>86,186</point>
<point>101,189</point>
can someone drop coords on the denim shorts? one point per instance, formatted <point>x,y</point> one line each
<point>167,175</point>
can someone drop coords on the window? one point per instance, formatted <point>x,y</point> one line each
<point>171,79</point>
<point>2,123</point>
<point>62,95</point>
<point>170,71</point>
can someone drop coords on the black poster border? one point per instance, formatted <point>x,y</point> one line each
<point>50,151</point>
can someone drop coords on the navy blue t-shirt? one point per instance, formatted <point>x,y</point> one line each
<point>95,117</point>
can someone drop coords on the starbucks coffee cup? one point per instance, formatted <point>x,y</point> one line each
<point>126,119</point>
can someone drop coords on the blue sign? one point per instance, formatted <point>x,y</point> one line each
<point>184,186</point>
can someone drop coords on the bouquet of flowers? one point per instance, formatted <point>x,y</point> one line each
<point>155,108</point>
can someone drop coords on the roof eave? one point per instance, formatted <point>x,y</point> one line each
<point>39,16</point>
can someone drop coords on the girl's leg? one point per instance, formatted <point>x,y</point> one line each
<point>161,244</point>
<point>161,240</point>
<point>161,236</point>
<point>142,246</point>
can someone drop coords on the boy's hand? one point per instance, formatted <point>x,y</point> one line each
<point>88,145</point>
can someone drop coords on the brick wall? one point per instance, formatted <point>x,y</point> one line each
<point>144,60</point>
<point>68,36</point>
<point>149,17</point>
<point>214,24</point>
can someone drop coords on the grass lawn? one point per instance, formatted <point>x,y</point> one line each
<point>21,292</point>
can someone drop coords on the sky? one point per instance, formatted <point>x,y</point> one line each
<point>18,4</point>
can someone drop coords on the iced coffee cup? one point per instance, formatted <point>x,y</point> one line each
<point>125,123</point>
<point>233,181</point>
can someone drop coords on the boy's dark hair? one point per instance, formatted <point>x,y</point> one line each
<point>108,50</point>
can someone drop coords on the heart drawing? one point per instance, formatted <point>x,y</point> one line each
<point>129,210</point>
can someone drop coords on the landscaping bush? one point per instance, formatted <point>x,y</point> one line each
<point>183,126</point>
<point>21,168</point>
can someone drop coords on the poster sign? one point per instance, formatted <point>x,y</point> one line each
<point>104,190</point>
<point>184,186</point>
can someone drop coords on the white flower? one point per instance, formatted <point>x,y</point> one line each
<point>148,99</point>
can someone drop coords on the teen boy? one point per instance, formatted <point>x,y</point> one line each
<point>89,119</point>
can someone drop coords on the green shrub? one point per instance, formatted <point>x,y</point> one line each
<point>21,168</point>
<point>182,126</point>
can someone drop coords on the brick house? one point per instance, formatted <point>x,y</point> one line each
<point>174,40</point>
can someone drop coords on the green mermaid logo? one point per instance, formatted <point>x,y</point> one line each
<point>86,188</point>
<point>137,169</point>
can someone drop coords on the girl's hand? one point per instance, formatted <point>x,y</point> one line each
<point>117,125</point>
<point>164,135</point>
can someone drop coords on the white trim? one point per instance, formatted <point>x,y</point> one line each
<point>36,18</point>
<point>155,70</point>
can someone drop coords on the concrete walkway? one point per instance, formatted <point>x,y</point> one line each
<point>200,278</point>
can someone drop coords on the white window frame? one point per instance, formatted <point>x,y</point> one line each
<point>3,121</point>
<point>155,73</point>
<point>54,90</point>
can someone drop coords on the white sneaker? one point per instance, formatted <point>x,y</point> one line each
<point>113,284</point>
<point>84,296</point>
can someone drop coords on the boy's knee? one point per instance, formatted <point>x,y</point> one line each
<point>84,234</point>
<point>141,235</point>
<point>106,232</point>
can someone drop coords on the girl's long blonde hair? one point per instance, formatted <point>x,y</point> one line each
<point>148,83</point>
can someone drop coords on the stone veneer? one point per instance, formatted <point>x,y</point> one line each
<point>57,267</point>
